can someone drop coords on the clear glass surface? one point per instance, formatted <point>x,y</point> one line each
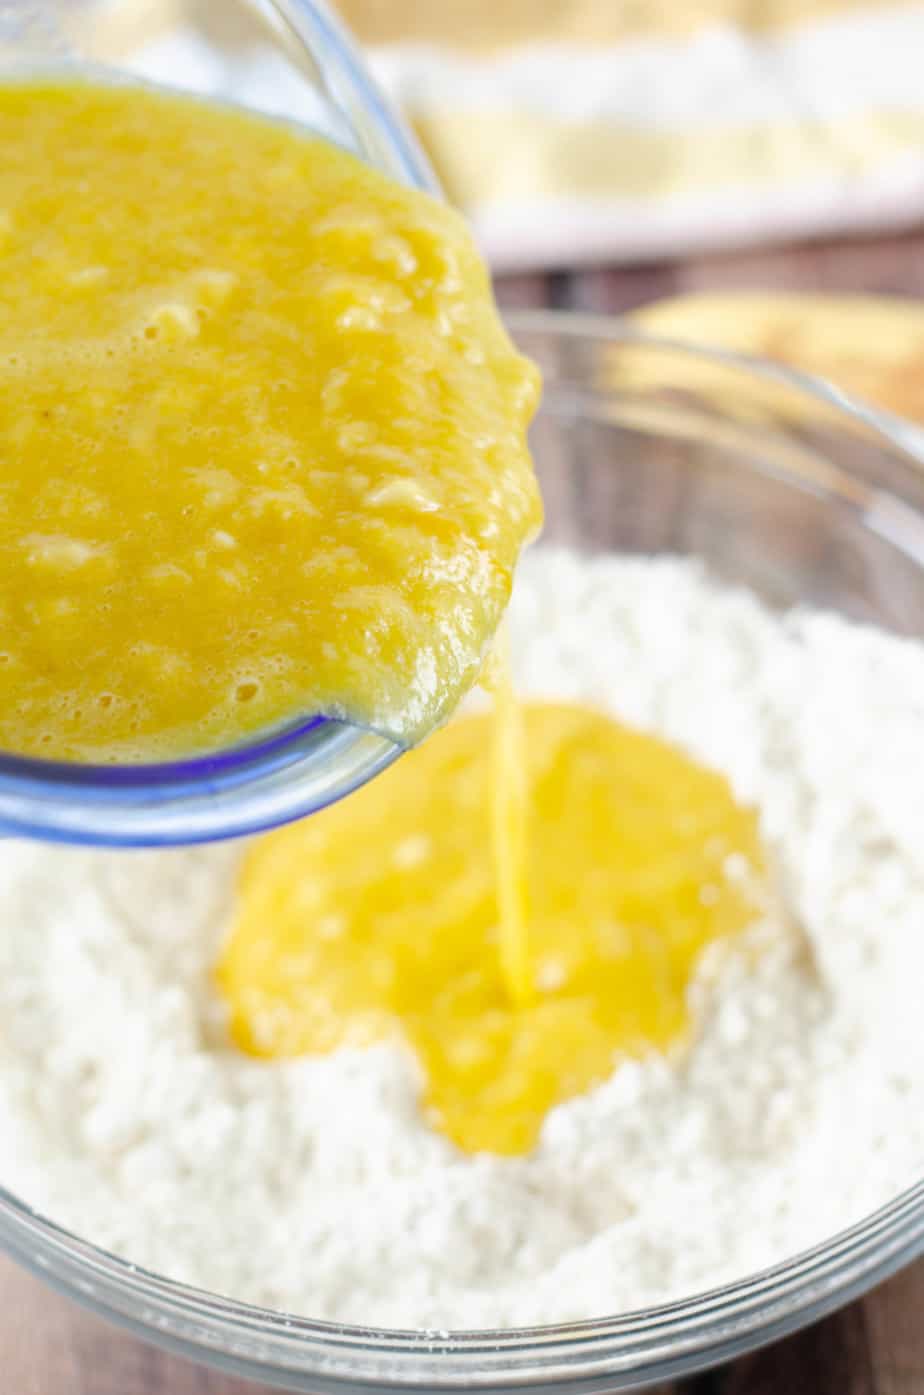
<point>775,483</point>
<point>289,58</point>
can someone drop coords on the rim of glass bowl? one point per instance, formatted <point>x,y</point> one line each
<point>620,1353</point>
<point>294,770</point>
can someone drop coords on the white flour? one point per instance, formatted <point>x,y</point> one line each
<point>314,1186</point>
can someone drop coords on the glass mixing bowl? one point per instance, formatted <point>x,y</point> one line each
<point>776,483</point>
<point>291,59</point>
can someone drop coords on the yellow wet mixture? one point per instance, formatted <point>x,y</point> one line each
<point>264,455</point>
<point>382,917</point>
<point>263,434</point>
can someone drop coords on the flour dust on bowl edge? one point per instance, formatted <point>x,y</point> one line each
<point>775,484</point>
<point>289,59</point>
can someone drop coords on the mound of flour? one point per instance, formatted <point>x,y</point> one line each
<point>314,1185</point>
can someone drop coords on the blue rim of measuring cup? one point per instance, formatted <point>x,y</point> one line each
<point>151,775</point>
<point>224,794</point>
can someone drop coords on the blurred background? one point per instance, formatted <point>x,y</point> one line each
<point>614,155</point>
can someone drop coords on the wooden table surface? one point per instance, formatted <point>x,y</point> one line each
<point>48,1346</point>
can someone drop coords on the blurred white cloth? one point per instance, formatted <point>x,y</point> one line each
<point>655,145</point>
<point>660,145</point>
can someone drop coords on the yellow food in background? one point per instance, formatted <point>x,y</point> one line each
<point>869,345</point>
<point>380,917</point>
<point>485,24</point>
<point>263,434</point>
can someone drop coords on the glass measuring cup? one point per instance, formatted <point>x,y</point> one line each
<point>292,59</point>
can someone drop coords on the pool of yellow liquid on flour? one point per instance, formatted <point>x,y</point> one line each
<point>263,434</point>
<point>380,917</point>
